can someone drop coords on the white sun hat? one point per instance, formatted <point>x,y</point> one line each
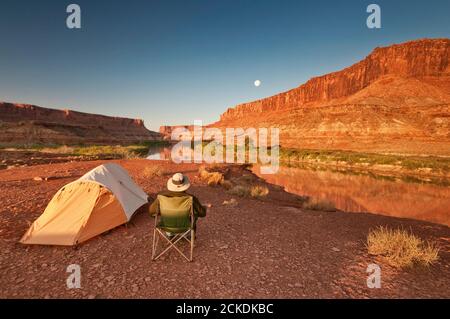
<point>178,183</point>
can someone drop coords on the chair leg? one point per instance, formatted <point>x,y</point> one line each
<point>192,243</point>
<point>154,244</point>
<point>172,244</point>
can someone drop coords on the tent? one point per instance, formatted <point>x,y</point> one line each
<point>100,200</point>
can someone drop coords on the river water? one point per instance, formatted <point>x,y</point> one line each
<point>353,191</point>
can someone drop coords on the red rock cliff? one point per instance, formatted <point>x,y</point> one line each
<point>166,130</point>
<point>23,123</point>
<point>411,59</point>
<point>395,100</point>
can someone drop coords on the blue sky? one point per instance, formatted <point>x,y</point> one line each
<point>171,62</point>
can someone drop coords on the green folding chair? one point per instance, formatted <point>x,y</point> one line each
<point>176,216</point>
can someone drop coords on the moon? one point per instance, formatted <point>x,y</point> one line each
<point>257,83</point>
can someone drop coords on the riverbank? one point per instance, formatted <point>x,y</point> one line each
<point>430,168</point>
<point>12,156</point>
<point>393,164</point>
<point>262,247</point>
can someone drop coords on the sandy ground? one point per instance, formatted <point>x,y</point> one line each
<point>266,248</point>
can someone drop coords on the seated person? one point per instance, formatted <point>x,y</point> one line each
<point>177,185</point>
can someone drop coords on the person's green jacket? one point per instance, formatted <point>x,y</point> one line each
<point>199,209</point>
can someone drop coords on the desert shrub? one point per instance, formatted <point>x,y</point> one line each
<point>259,191</point>
<point>215,178</point>
<point>127,154</point>
<point>240,190</point>
<point>319,204</point>
<point>116,151</point>
<point>211,178</point>
<point>64,149</point>
<point>153,171</point>
<point>246,178</point>
<point>401,248</point>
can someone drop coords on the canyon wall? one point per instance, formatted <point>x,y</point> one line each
<point>166,130</point>
<point>395,100</point>
<point>412,59</point>
<point>23,123</point>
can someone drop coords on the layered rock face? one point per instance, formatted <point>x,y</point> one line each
<point>21,123</point>
<point>395,100</point>
<point>166,130</point>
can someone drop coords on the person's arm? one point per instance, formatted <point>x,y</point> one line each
<point>154,207</point>
<point>199,209</point>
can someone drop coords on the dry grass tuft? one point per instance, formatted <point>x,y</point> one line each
<point>239,190</point>
<point>259,191</point>
<point>255,191</point>
<point>319,204</point>
<point>153,171</point>
<point>401,248</point>
<point>59,150</point>
<point>247,178</point>
<point>211,178</point>
<point>115,151</point>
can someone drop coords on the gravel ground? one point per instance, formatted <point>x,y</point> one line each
<point>269,248</point>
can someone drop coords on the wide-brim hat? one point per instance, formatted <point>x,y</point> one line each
<point>178,183</point>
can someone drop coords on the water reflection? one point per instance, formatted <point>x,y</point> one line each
<point>368,193</point>
<point>159,153</point>
<point>355,192</point>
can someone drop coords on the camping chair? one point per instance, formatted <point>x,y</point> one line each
<point>176,217</point>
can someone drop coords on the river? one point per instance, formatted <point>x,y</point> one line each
<point>353,191</point>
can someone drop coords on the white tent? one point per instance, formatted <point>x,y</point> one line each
<point>102,199</point>
<point>117,180</point>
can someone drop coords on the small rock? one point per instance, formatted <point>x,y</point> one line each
<point>335,249</point>
<point>232,202</point>
<point>38,179</point>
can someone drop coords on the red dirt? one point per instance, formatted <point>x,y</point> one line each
<point>266,248</point>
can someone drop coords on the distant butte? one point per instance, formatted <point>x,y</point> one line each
<point>25,124</point>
